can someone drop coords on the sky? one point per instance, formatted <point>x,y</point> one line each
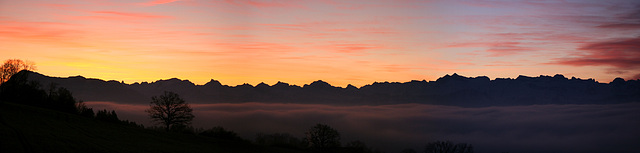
<point>340,42</point>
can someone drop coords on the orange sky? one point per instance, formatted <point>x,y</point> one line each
<point>341,42</point>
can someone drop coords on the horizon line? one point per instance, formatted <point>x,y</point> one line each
<point>423,80</point>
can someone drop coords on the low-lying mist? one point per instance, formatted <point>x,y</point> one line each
<point>391,128</point>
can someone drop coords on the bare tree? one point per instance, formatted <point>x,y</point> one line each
<point>13,66</point>
<point>323,137</point>
<point>170,110</point>
<point>357,147</point>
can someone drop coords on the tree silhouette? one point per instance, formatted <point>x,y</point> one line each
<point>357,147</point>
<point>13,66</point>
<point>19,89</point>
<point>220,133</point>
<point>61,99</point>
<point>83,110</point>
<point>280,139</point>
<point>323,137</point>
<point>105,115</point>
<point>170,110</point>
<point>448,147</point>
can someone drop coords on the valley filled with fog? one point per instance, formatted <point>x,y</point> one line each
<point>533,128</point>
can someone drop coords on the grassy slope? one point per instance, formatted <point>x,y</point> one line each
<point>30,129</point>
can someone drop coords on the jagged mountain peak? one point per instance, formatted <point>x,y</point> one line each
<point>213,83</point>
<point>523,77</point>
<point>244,85</point>
<point>460,77</point>
<point>349,86</point>
<point>559,76</point>
<point>280,83</point>
<point>173,83</point>
<point>262,85</point>
<point>318,83</point>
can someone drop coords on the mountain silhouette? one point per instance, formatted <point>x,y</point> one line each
<point>453,90</point>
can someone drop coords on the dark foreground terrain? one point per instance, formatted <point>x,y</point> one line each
<point>30,129</point>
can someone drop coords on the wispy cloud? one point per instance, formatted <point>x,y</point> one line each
<point>507,48</point>
<point>497,49</point>
<point>266,3</point>
<point>157,2</point>
<point>395,68</point>
<point>626,21</point>
<point>129,15</point>
<point>354,48</point>
<point>364,5</point>
<point>254,48</point>
<point>55,33</point>
<point>619,53</point>
<point>292,27</point>
<point>630,26</point>
<point>119,16</point>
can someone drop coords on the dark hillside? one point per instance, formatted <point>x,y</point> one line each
<point>31,129</point>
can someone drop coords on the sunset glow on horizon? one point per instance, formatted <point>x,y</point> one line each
<point>340,42</point>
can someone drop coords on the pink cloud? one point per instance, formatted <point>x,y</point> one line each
<point>118,16</point>
<point>355,48</point>
<point>351,48</point>
<point>266,4</point>
<point>61,6</point>
<point>250,50</point>
<point>157,2</point>
<point>376,31</point>
<point>131,15</point>
<point>503,63</point>
<point>362,5</point>
<point>621,26</point>
<point>294,27</point>
<point>47,32</point>
<point>275,47</point>
<point>303,26</point>
<point>507,48</point>
<point>394,68</point>
<point>495,49</point>
<point>619,53</point>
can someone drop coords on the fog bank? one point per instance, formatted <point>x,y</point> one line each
<point>391,128</point>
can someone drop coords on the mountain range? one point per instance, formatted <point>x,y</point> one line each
<point>452,90</point>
